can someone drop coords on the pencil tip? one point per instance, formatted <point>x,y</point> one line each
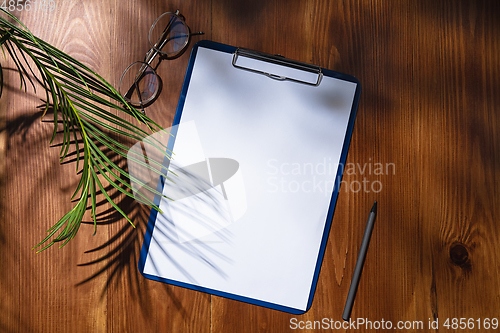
<point>374,208</point>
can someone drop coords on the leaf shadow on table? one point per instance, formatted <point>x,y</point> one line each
<point>118,258</point>
<point>119,254</point>
<point>23,138</point>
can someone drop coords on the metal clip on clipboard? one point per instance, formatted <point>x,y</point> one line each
<point>312,71</point>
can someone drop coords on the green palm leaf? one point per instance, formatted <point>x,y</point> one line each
<point>80,99</point>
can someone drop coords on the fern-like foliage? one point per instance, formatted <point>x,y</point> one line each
<point>83,101</point>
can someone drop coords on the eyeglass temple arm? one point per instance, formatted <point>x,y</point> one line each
<point>148,60</point>
<point>140,97</point>
<point>154,51</point>
<point>150,56</point>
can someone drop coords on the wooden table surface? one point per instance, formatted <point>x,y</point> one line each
<point>429,113</point>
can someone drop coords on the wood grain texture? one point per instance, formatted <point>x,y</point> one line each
<point>426,146</point>
<point>458,160</point>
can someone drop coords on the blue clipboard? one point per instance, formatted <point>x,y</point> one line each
<point>259,146</point>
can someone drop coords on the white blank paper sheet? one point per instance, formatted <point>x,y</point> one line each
<point>269,151</point>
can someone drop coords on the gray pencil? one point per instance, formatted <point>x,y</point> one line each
<point>359,264</point>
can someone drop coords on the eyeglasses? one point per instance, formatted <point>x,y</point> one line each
<point>169,37</point>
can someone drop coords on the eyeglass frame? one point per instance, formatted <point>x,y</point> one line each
<point>153,53</point>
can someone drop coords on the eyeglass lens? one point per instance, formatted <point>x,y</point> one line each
<point>139,84</point>
<point>169,34</point>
